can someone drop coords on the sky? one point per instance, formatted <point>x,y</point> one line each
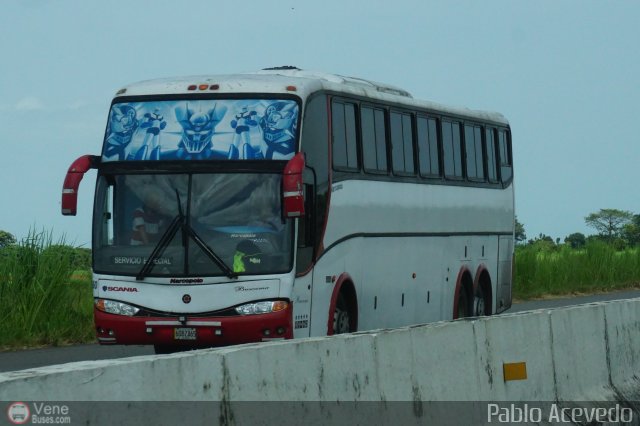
<point>564,73</point>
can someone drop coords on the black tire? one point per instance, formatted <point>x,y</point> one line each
<point>464,307</point>
<point>479,304</point>
<point>341,316</point>
<point>166,349</point>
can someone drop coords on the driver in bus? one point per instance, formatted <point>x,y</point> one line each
<point>147,220</point>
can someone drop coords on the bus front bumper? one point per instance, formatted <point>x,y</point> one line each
<point>192,331</point>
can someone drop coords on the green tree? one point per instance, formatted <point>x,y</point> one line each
<point>6,239</point>
<point>631,231</point>
<point>520,235</point>
<point>542,242</point>
<point>609,222</point>
<point>541,237</point>
<point>576,240</point>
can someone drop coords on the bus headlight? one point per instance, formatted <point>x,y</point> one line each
<point>262,307</point>
<point>117,308</point>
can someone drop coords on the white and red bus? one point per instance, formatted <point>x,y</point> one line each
<point>286,203</point>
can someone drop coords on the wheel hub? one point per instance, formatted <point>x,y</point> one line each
<point>479,306</point>
<point>341,322</point>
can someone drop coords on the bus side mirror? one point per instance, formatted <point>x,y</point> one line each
<point>72,182</point>
<point>292,187</point>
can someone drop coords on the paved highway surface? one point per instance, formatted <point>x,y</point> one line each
<point>33,358</point>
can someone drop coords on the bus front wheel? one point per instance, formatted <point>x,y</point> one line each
<point>341,316</point>
<point>166,349</point>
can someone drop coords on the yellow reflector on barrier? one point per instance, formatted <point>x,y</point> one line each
<point>514,371</point>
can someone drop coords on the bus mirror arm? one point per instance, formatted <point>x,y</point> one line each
<point>309,220</point>
<point>310,207</point>
<point>292,187</point>
<point>313,172</point>
<point>72,182</point>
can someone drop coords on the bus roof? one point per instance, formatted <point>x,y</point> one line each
<point>281,79</point>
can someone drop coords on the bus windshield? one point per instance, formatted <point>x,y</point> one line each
<point>197,224</point>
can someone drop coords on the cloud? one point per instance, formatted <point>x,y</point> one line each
<point>30,103</point>
<point>77,104</point>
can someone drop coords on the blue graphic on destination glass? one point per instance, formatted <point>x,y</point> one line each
<point>238,129</point>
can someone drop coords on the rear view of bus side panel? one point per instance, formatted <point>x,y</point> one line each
<point>403,281</point>
<point>505,273</point>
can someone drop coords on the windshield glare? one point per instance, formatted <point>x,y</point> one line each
<point>237,216</point>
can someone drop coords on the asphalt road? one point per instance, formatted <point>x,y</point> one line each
<point>577,300</point>
<point>33,358</point>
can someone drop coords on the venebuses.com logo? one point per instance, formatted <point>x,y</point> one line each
<point>18,413</point>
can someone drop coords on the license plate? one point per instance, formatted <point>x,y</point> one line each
<point>184,333</point>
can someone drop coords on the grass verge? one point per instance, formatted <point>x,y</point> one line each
<point>44,299</point>
<point>598,267</point>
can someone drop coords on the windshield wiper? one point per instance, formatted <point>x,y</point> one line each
<point>160,247</point>
<point>187,230</point>
<point>179,222</point>
<point>209,252</point>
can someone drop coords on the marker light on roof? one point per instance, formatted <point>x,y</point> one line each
<point>192,87</point>
<point>214,87</point>
<point>291,88</point>
<point>203,87</point>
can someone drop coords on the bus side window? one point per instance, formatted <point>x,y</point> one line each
<point>490,148</point>
<point>374,143</point>
<point>505,156</point>
<point>344,136</point>
<point>314,143</point>
<point>428,147</point>
<point>401,143</point>
<point>473,152</point>
<point>452,152</point>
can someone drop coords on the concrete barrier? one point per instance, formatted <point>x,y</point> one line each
<point>622,327</point>
<point>588,352</point>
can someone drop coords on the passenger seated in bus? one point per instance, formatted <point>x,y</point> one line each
<point>147,220</point>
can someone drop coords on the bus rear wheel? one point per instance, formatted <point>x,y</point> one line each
<point>463,304</point>
<point>479,304</point>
